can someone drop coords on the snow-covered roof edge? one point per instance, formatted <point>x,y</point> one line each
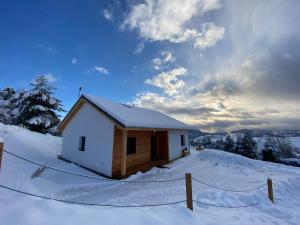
<point>114,118</point>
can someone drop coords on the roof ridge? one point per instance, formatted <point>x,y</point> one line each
<point>134,116</point>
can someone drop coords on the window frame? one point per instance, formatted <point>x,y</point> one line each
<point>182,140</point>
<point>133,142</point>
<point>82,142</point>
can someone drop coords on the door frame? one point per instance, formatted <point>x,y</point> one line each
<point>153,147</point>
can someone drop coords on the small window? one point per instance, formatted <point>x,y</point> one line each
<point>81,143</point>
<point>131,145</point>
<point>182,140</point>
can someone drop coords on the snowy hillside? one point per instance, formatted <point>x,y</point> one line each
<point>216,168</point>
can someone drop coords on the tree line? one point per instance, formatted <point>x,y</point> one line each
<point>35,109</point>
<point>274,148</point>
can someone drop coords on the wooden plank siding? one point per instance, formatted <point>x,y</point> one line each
<point>143,150</point>
<point>117,153</point>
<point>124,153</point>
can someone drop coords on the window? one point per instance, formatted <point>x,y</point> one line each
<point>182,140</point>
<point>131,145</point>
<point>81,143</point>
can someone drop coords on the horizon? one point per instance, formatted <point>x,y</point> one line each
<point>217,65</point>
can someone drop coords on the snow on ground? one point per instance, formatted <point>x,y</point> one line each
<point>291,159</point>
<point>214,167</point>
<point>295,141</point>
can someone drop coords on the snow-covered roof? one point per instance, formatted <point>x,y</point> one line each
<point>135,117</point>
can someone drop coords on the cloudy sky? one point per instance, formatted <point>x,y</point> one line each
<point>217,65</point>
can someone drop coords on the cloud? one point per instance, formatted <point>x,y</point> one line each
<point>166,57</point>
<point>47,48</point>
<point>139,48</point>
<point>157,63</point>
<point>108,14</point>
<point>222,103</point>
<point>160,20</point>
<point>266,76</point>
<point>249,80</point>
<point>168,81</point>
<point>253,122</point>
<point>192,111</point>
<point>278,75</point>
<point>203,111</point>
<point>51,78</point>
<point>74,60</point>
<point>101,69</point>
<point>209,36</point>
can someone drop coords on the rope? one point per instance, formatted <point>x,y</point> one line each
<point>230,190</point>
<point>91,177</point>
<point>224,206</point>
<point>90,204</point>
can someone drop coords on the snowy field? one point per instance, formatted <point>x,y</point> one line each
<point>216,168</point>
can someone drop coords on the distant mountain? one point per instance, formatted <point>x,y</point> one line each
<point>270,132</point>
<point>195,133</point>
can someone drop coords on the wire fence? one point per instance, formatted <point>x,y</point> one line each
<point>89,204</point>
<point>88,176</point>
<point>229,190</point>
<point>128,181</point>
<point>226,206</point>
<point>123,206</point>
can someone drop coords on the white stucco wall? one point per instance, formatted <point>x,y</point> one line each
<point>99,133</point>
<point>175,148</point>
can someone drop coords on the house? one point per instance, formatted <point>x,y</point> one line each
<point>117,140</point>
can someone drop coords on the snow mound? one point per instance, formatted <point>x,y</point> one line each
<point>30,144</point>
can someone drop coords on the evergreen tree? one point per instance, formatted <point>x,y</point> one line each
<point>15,103</point>
<point>246,146</point>
<point>220,144</point>
<point>229,144</point>
<point>238,144</point>
<point>4,112</point>
<point>38,107</point>
<point>285,148</point>
<point>206,142</point>
<point>7,93</point>
<point>270,153</point>
<point>5,106</point>
<point>280,147</point>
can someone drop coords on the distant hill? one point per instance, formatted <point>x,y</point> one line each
<point>255,133</point>
<point>195,133</point>
<point>270,132</point>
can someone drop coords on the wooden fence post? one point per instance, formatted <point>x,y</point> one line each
<point>270,189</point>
<point>189,193</point>
<point>1,151</point>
